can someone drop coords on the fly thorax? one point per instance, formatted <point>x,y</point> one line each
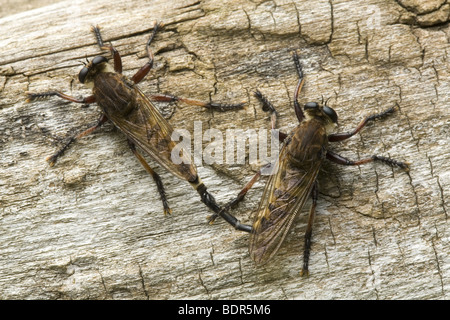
<point>308,141</point>
<point>113,94</point>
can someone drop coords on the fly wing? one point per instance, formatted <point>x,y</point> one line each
<point>151,132</point>
<point>284,196</point>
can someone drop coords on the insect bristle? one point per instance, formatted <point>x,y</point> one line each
<point>36,96</point>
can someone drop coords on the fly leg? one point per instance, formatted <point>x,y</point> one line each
<point>52,159</point>
<point>209,105</point>
<point>114,52</point>
<point>344,161</point>
<point>345,135</point>
<point>155,177</point>
<point>210,202</point>
<point>268,106</point>
<point>88,100</point>
<point>142,72</point>
<point>233,203</point>
<point>308,233</point>
<point>44,95</point>
<point>301,81</point>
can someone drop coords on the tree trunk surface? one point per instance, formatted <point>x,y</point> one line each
<point>92,226</point>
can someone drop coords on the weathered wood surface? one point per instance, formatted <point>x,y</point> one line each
<point>92,226</point>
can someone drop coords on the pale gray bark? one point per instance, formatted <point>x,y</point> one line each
<point>92,226</point>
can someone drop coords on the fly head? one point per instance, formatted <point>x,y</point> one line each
<point>95,66</point>
<point>327,114</point>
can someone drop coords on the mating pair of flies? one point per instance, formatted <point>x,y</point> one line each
<point>292,182</point>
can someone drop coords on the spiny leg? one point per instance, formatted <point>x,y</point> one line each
<point>44,95</point>
<point>114,52</point>
<point>209,105</point>
<point>268,106</point>
<point>52,159</point>
<point>155,177</point>
<point>88,100</point>
<point>210,202</point>
<point>98,36</point>
<point>233,203</point>
<point>301,81</point>
<point>142,72</point>
<point>345,135</point>
<point>308,233</point>
<point>344,161</point>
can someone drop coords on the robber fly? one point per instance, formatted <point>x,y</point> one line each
<point>124,104</point>
<point>294,176</point>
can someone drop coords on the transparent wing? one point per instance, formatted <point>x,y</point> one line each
<point>284,196</point>
<point>151,132</point>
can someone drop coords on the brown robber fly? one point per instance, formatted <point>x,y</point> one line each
<point>294,176</point>
<point>124,104</point>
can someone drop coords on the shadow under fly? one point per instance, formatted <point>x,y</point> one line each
<point>294,176</point>
<point>133,113</point>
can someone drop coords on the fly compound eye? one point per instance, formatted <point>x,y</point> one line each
<point>311,105</point>
<point>83,73</point>
<point>98,60</point>
<point>330,113</point>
